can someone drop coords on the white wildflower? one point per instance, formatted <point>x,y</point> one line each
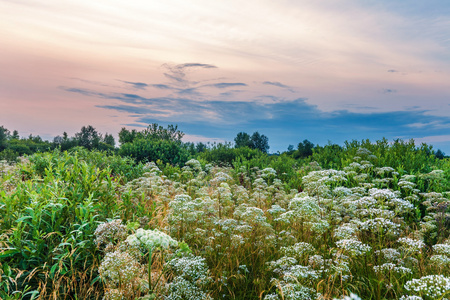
<point>353,246</point>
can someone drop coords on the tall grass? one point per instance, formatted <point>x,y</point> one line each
<point>84,225</point>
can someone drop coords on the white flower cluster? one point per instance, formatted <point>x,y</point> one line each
<point>345,231</point>
<point>342,191</point>
<point>378,225</point>
<point>194,164</point>
<point>375,212</point>
<point>441,258</point>
<point>381,194</point>
<point>151,239</point>
<point>350,297</point>
<point>406,182</point>
<point>353,246</point>
<point>389,254</point>
<point>391,267</point>
<point>276,210</point>
<point>191,276</point>
<point>185,210</point>
<point>297,272</point>
<point>298,250</point>
<point>318,182</point>
<point>110,232</point>
<point>441,261</point>
<point>411,245</point>
<point>400,205</point>
<point>220,177</point>
<point>433,286</point>
<point>120,270</point>
<point>268,172</point>
<point>383,170</point>
<point>291,291</point>
<point>443,249</point>
<point>405,297</point>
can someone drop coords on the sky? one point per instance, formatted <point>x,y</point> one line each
<point>326,71</point>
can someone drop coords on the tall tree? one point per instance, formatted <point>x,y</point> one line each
<point>260,142</point>
<point>109,140</point>
<point>127,136</point>
<point>439,154</point>
<point>4,136</point>
<point>153,132</point>
<point>305,148</point>
<point>242,139</point>
<point>88,137</point>
<point>15,135</point>
<point>158,132</point>
<point>200,147</point>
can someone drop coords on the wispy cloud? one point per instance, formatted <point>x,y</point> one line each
<point>388,91</point>
<point>280,85</point>
<point>177,73</point>
<point>162,86</point>
<point>223,85</point>
<point>431,125</point>
<point>275,83</point>
<point>136,85</point>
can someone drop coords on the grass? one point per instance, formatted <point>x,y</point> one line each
<point>242,232</point>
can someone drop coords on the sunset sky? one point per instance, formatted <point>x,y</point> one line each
<point>290,69</point>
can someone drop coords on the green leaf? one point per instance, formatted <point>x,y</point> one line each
<point>53,269</point>
<point>23,218</point>
<point>9,253</point>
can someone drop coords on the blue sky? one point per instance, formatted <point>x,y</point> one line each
<point>292,70</point>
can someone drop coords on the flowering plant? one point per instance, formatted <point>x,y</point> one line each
<point>151,239</point>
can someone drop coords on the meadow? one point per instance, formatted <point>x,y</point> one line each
<point>367,221</point>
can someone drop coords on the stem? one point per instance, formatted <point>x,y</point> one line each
<point>150,270</point>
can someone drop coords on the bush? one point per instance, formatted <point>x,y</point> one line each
<point>143,150</point>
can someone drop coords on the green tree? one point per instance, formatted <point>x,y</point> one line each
<point>64,142</point>
<point>242,140</point>
<point>143,150</point>
<point>109,140</point>
<point>88,137</point>
<point>158,132</point>
<point>200,147</point>
<point>260,142</point>
<point>439,154</point>
<point>4,136</point>
<point>127,136</point>
<point>15,135</point>
<point>305,148</point>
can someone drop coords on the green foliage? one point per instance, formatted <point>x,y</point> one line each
<point>242,139</point>
<point>49,220</point>
<point>255,141</point>
<point>9,155</point>
<point>304,149</point>
<point>121,167</point>
<point>225,154</point>
<point>64,142</point>
<point>143,150</point>
<point>4,135</point>
<point>260,142</point>
<point>403,156</point>
<point>108,139</point>
<point>88,137</point>
<point>248,225</point>
<point>152,132</point>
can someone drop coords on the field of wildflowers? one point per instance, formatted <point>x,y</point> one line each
<point>86,225</point>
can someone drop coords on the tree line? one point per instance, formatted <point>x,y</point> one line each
<point>164,144</point>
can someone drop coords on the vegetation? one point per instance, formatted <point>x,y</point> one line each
<point>162,219</point>
<point>255,141</point>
